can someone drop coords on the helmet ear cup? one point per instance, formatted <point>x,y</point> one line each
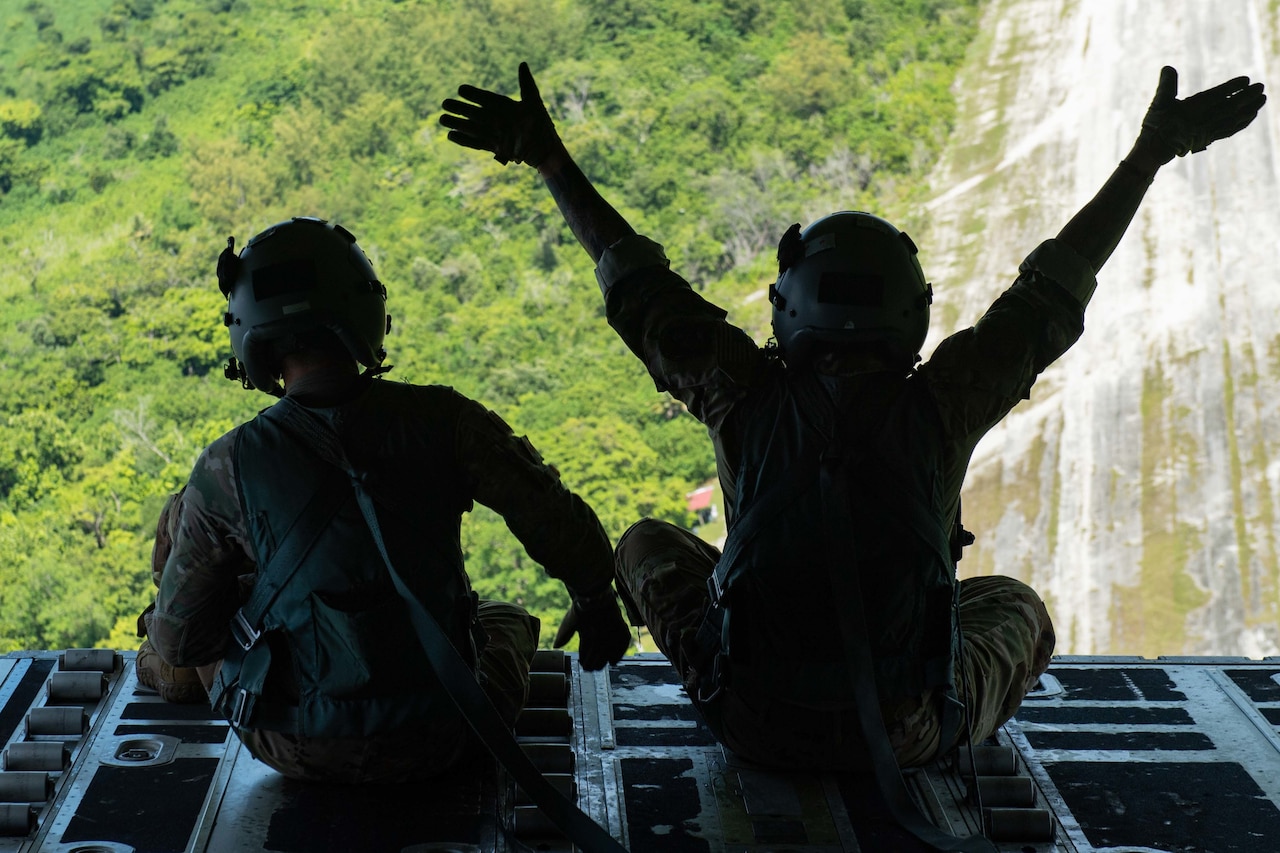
<point>849,278</point>
<point>295,278</point>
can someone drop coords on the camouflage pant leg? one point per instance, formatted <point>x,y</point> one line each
<point>663,570</point>
<point>503,667</point>
<point>1008,640</point>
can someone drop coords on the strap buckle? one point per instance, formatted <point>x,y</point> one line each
<point>243,632</point>
<point>717,679</point>
<point>714,590</point>
<point>712,637</point>
<point>241,705</point>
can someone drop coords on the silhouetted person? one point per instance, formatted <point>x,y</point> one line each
<point>856,456</point>
<point>324,678</point>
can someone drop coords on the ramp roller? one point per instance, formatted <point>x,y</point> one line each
<point>87,660</point>
<point>547,689</point>
<point>549,660</point>
<point>1007,791</point>
<point>72,687</point>
<point>16,819</point>
<point>36,755</point>
<point>25,786</point>
<point>550,757</point>
<point>990,761</point>
<point>544,722</point>
<point>1019,824</point>
<point>530,822</point>
<point>57,720</point>
<point>562,782</point>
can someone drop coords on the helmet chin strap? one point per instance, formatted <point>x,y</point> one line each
<point>235,371</point>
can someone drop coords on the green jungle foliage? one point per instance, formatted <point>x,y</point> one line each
<point>136,135</point>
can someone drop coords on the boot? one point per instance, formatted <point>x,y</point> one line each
<point>178,684</point>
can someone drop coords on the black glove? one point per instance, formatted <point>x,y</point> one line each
<point>603,635</point>
<point>513,130</point>
<point>1191,124</point>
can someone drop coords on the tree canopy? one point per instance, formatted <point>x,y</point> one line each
<point>135,136</point>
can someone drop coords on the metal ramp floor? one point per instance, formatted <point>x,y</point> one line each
<point>1124,755</point>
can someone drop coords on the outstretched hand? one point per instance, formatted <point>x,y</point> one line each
<point>513,130</point>
<point>1192,123</point>
<point>603,634</point>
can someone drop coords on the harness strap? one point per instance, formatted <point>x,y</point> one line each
<point>247,675</point>
<point>853,629</point>
<point>246,624</point>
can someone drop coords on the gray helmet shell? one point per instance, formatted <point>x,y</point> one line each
<point>855,278</point>
<point>300,276</point>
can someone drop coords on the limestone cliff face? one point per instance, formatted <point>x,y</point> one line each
<point>1138,488</point>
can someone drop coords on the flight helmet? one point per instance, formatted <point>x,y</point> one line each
<point>849,278</point>
<point>291,281</point>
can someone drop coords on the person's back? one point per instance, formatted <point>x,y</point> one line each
<point>888,503</point>
<point>841,466</point>
<point>279,584</point>
<point>877,515</point>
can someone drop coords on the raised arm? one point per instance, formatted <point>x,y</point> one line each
<point>1171,127</point>
<point>523,131</point>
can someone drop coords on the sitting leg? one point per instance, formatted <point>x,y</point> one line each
<point>662,573</point>
<point>1008,640</point>
<point>503,668</point>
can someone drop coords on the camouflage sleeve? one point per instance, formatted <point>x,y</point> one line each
<point>685,342</point>
<point>166,528</point>
<point>555,526</point>
<point>978,374</point>
<point>200,583</point>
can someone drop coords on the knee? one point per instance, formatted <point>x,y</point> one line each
<point>641,542</point>
<point>639,537</point>
<point>510,625</point>
<point>1001,613</point>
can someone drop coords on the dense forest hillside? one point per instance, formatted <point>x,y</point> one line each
<point>135,136</point>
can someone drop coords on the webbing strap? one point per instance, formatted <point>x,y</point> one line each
<point>458,681</point>
<point>461,685</point>
<point>325,501</point>
<point>800,477</point>
<point>848,590</point>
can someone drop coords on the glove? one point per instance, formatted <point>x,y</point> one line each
<point>603,635</point>
<point>513,130</point>
<point>1191,124</point>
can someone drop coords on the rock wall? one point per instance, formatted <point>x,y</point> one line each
<point>1138,488</point>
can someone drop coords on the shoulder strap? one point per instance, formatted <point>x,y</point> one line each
<point>799,478</point>
<point>827,468</point>
<point>456,678</point>
<point>888,775</point>
<point>246,624</point>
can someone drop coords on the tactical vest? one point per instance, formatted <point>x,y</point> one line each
<point>784,640</point>
<point>337,647</point>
